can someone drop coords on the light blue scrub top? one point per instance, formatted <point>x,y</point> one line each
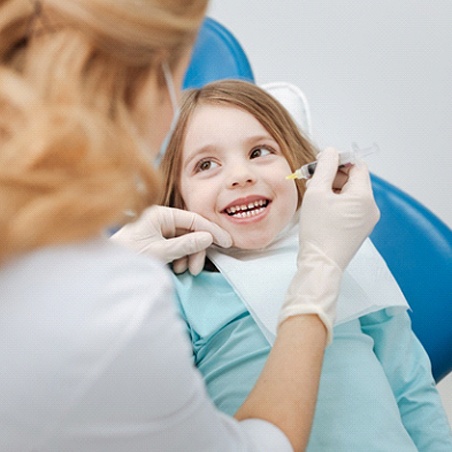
<point>376,391</point>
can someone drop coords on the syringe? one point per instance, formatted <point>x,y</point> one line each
<point>345,158</point>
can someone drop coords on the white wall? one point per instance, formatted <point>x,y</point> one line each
<point>373,71</point>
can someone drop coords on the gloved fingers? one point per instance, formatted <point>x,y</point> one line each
<point>358,179</point>
<point>196,262</point>
<point>190,221</point>
<point>359,186</point>
<point>326,170</point>
<point>180,265</point>
<point>341,178</point>
<point>171,222</point>
<point>178,247</point>
<point>123,235</point>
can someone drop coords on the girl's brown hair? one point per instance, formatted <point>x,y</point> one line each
<point>244,95</point>
<point>71,72</point>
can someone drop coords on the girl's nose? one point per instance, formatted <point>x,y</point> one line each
<point>240,176</point>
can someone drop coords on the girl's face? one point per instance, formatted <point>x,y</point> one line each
<point>233,173</point>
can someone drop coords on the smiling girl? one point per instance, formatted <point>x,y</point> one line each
<point>236,154</point>
<point>227,161</point>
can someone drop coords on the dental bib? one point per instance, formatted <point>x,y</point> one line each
<point>261,279</point>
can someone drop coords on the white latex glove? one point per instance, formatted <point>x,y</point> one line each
<point>173,235</point>
<point>332,228</point>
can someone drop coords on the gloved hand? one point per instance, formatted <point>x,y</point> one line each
<point>332,228</point>
<point>173,235</point>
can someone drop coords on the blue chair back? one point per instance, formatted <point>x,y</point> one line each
<point>217,55</point>
<point>416,245</point>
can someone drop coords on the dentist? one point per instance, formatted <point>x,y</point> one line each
<point>93,354</point>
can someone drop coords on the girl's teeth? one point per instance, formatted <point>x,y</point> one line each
<point>248,213</point>
<point>255,207</point>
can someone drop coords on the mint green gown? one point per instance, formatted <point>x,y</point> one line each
<point>376,391</point>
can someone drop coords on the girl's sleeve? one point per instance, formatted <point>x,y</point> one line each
<point>408,369</point>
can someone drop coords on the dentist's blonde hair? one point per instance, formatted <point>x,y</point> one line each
<point>248,97</point>
<point>71,73</point>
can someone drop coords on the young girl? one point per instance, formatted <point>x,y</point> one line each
<point>228,158</point>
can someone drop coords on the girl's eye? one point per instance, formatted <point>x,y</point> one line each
<point>261,151</point>
<point>205,165</point>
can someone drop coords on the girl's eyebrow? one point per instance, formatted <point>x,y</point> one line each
<point>257,138</point>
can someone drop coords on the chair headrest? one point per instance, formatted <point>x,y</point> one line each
<point>295,102</point>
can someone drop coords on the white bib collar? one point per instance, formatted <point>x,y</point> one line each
<point>261,279</point>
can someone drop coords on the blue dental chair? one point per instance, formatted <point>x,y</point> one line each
<point>416,245</point>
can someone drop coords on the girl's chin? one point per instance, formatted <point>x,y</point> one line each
<point>250,244</point>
